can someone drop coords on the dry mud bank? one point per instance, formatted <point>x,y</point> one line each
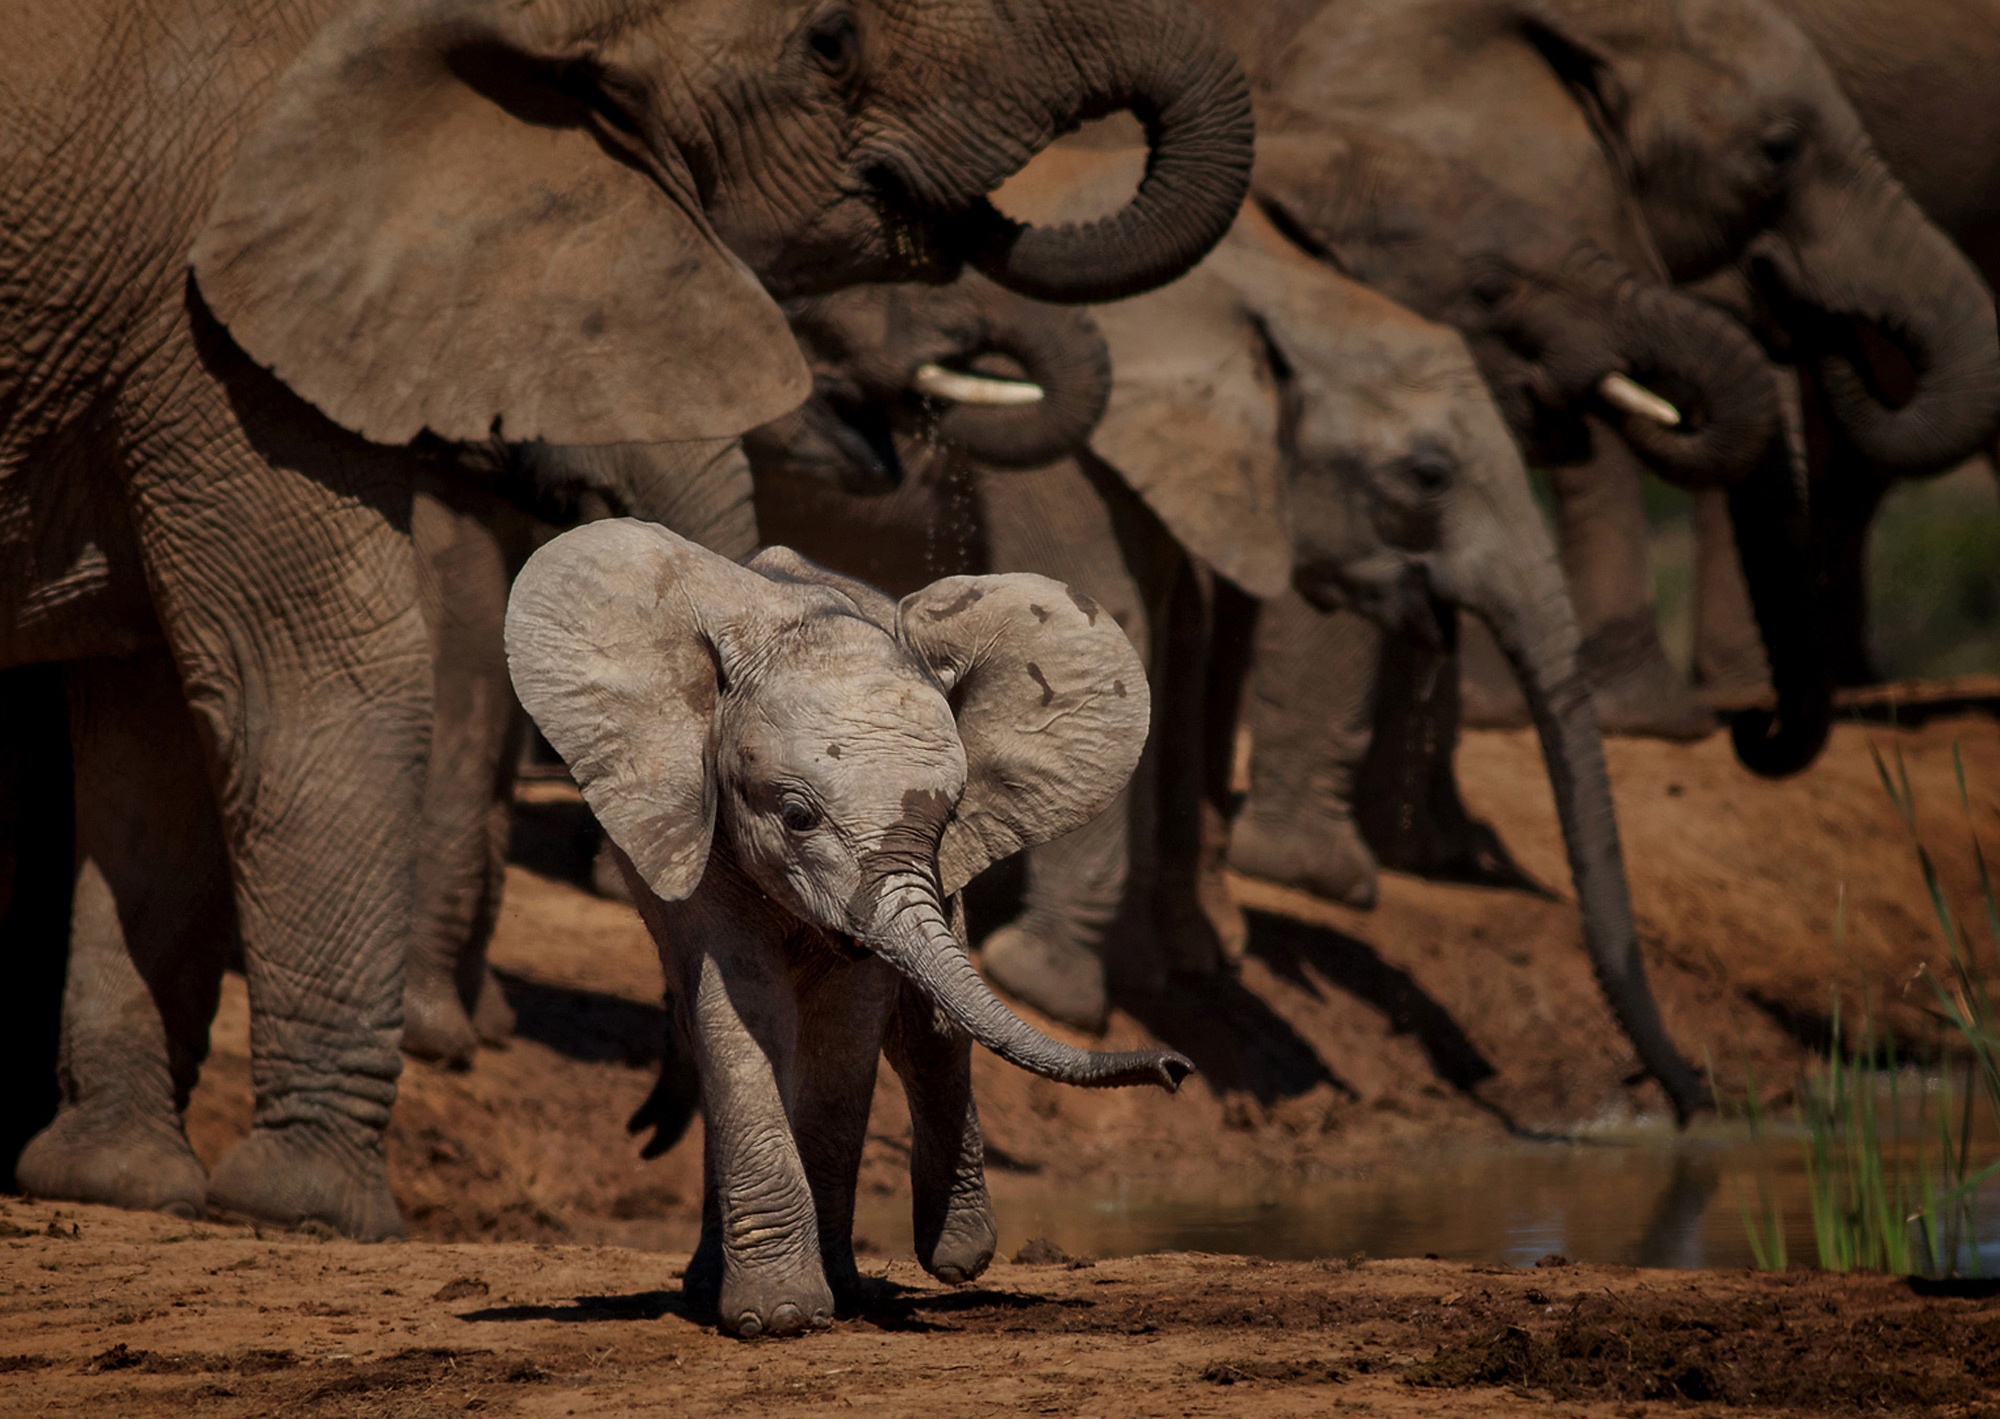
<point>107,1313</point>
<point>1350,1040</point>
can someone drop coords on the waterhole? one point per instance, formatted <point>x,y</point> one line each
<point>1648,1198</point>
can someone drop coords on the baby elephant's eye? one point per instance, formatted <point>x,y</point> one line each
<point>798,815</point>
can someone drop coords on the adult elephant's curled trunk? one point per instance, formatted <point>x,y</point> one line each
<point>1714,376</point>
<point>909,931</point>
<point>1060,352</point>
<point>1169,66</point>
<point>1861,262</point>
<point>1531,618</point>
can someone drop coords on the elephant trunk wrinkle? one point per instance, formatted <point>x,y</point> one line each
<point>1537,631</point>
<point>912,935</point>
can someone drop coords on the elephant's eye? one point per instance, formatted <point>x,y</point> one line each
<point>836,44</point>
<point>798,815</point>
<point>1780,148</point>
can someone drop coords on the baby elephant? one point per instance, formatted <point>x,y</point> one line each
<point>800,774</point>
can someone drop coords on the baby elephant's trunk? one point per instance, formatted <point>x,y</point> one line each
<point>911,934</point>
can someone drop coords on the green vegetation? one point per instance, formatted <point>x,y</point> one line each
<point>1934,577</point>
<point>1893,1179</point>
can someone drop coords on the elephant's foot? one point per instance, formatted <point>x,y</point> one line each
<point>1063,980</point>
<point>435,1025</point>
<point>492,1016</point>
<point>117,1157</point>
<point>1638,691</point>
<point>760,1300</point>
<point>1325,857</point>
<point>302,1174</point>
<point>964,1246</point>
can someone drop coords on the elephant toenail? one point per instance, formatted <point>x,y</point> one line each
<point>749,1325</point>
<point>822,1321</point>
<point>787,1318</point>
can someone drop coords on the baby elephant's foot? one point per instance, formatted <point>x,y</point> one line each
<point>303,1174</point>
<point>117,1158</point>
<point>757,1302</point>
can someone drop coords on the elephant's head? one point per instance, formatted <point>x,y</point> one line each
<point>859,759</point>
<point>1291,426</point>
<point>565,221</point>
<point>968,366</point>
<point>1553,320</point>
<point>1738,143</point>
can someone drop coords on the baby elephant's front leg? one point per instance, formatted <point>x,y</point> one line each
<point>953,1215</point>
<point>745,1018</point>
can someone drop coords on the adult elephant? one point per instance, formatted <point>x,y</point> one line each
<point>1565,316</point>
<point>1739,150</point>
<point>1912,74</point>
<point>260,259</point>
<point>1281,426</point>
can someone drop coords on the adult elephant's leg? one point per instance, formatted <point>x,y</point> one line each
<point>1207,658</point>
<point>1065,522</point>
<point>278,552</point>
<point>842,1016</point>
<point>724,949</point>
<point>951,1211</point>
<point>150,925</point>
<point>1311,715</point>
<point>462,569</point>
<point>1729,664</point>
<point>1601,528</point>
<point>37,845</point>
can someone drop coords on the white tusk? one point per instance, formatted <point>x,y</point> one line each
<point>941,383</point>
<point>1624,392</point>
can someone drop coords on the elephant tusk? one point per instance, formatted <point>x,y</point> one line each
<point>1624,392</point>
<point>941,383</point>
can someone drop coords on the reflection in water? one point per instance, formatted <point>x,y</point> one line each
<point>1661,1200</point>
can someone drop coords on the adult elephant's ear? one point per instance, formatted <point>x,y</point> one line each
<point>609,650</point>
<point>1192,424</point>
<point>449,219</point>
<point>1052,709</point>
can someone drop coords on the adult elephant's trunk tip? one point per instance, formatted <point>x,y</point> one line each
<point>1183,83</point>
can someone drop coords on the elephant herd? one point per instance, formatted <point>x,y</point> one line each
<point>1093,490</point>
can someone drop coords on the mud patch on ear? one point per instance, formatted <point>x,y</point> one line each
<point>1083,604</point>
<point>969,598</point>
<point>1048,690</point>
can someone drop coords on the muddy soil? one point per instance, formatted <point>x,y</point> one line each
<point>108,1313</point>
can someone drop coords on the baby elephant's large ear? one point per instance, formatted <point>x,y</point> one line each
<point>1052,709</point>
<point>607,645</point>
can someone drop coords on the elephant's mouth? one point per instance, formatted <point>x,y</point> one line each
<point>1393,593</point>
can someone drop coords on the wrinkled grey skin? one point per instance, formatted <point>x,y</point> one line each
<point>799,774</point>
<point>150,922</point>
<point>470,541</point>
<point>1742,158</point>
<point>1289,428</point>
<point>245,302</point>
<point>1912,73</point>
<point>470,544</point>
